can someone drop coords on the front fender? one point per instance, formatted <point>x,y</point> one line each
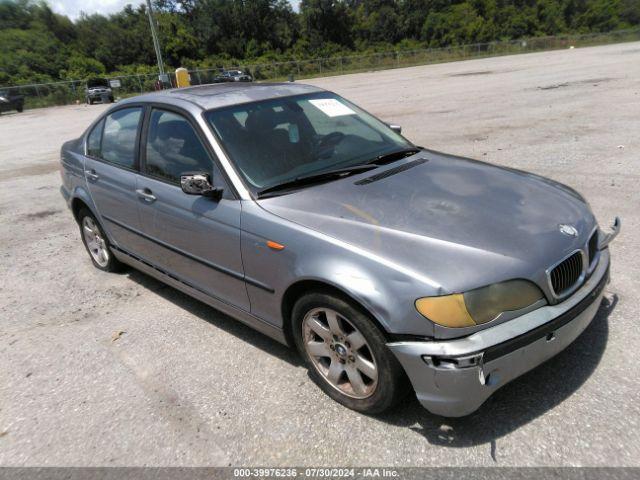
<point>386,291</point>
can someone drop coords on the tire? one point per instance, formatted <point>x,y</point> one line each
<point>313,328</point>
<point>20,108</point>
<point>97,243</point>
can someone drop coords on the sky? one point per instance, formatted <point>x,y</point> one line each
<point>72,8</point>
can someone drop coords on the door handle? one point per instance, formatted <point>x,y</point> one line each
<point>91,175</point>
<point>146,195</point>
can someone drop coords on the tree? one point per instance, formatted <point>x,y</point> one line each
<point>82,68</point>
<point>600,16</point>
<point>30,56</point>
<point>325,21</point>
<point>377,21</point>
<point>40,45</point>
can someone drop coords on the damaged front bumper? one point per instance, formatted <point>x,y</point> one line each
<point>453,378</point>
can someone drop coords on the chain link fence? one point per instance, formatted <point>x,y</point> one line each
<point>73,91</point>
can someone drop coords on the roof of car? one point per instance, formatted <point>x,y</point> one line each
<point>219,95</point>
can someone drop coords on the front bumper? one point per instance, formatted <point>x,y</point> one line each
<point>454,378</point>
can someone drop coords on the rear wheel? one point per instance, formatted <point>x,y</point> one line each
<point>347,354</point>
<point>97,243</point>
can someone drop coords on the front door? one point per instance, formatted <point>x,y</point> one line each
<point>110,172</point>
<point>194,238</point>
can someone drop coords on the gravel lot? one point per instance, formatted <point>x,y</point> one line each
<point>186,385</point>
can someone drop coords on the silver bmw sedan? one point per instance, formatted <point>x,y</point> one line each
<point>391,268</point>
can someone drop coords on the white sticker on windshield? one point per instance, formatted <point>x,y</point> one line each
<point>331,107</point>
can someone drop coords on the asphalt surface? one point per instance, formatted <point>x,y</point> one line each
<point>103,369</point>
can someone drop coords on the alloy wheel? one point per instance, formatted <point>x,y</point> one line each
<point>95,242</point>
<point>340,353</point>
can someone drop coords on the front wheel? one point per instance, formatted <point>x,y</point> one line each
<point>347,354</point>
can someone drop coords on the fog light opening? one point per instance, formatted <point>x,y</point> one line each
<point>454,362</point>
<point>492,379</point>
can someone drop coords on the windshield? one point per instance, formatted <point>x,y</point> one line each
<point>97,83</point>
<point>275,141</point>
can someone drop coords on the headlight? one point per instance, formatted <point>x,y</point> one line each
<point>480,305</point>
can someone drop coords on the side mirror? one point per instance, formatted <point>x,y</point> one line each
<point>199,183</point>
<point>396,128</point>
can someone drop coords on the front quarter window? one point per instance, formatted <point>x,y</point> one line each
<point>275,141</point>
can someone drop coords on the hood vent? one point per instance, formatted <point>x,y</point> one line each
<point>391,171</point>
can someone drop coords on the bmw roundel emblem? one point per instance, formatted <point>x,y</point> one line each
<point>568,230</point>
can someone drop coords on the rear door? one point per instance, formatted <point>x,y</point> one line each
<point>194,238</point>
<point>110,171</point>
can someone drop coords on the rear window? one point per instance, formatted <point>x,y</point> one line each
<point>97,82</point>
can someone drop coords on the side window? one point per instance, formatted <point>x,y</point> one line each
<point>173,147</point>
<point>119,137</point>
<point>93,140</point>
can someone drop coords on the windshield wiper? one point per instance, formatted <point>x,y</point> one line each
<point>393,156</point>
<point>315,178</point>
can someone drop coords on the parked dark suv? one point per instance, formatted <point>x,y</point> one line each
<point>11,101</point>
<point>98,90</point>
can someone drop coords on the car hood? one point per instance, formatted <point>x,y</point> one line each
<point>460,222</point>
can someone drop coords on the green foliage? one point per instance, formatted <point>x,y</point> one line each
<point>600,16</point>
<point>323,21</point>
<point>30,56</point>
<point>41,46</point>
<point>82,68</point>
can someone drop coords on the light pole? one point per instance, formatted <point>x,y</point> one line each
<point>156,42</point>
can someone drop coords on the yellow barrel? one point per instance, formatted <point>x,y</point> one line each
<point>182,77</point>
